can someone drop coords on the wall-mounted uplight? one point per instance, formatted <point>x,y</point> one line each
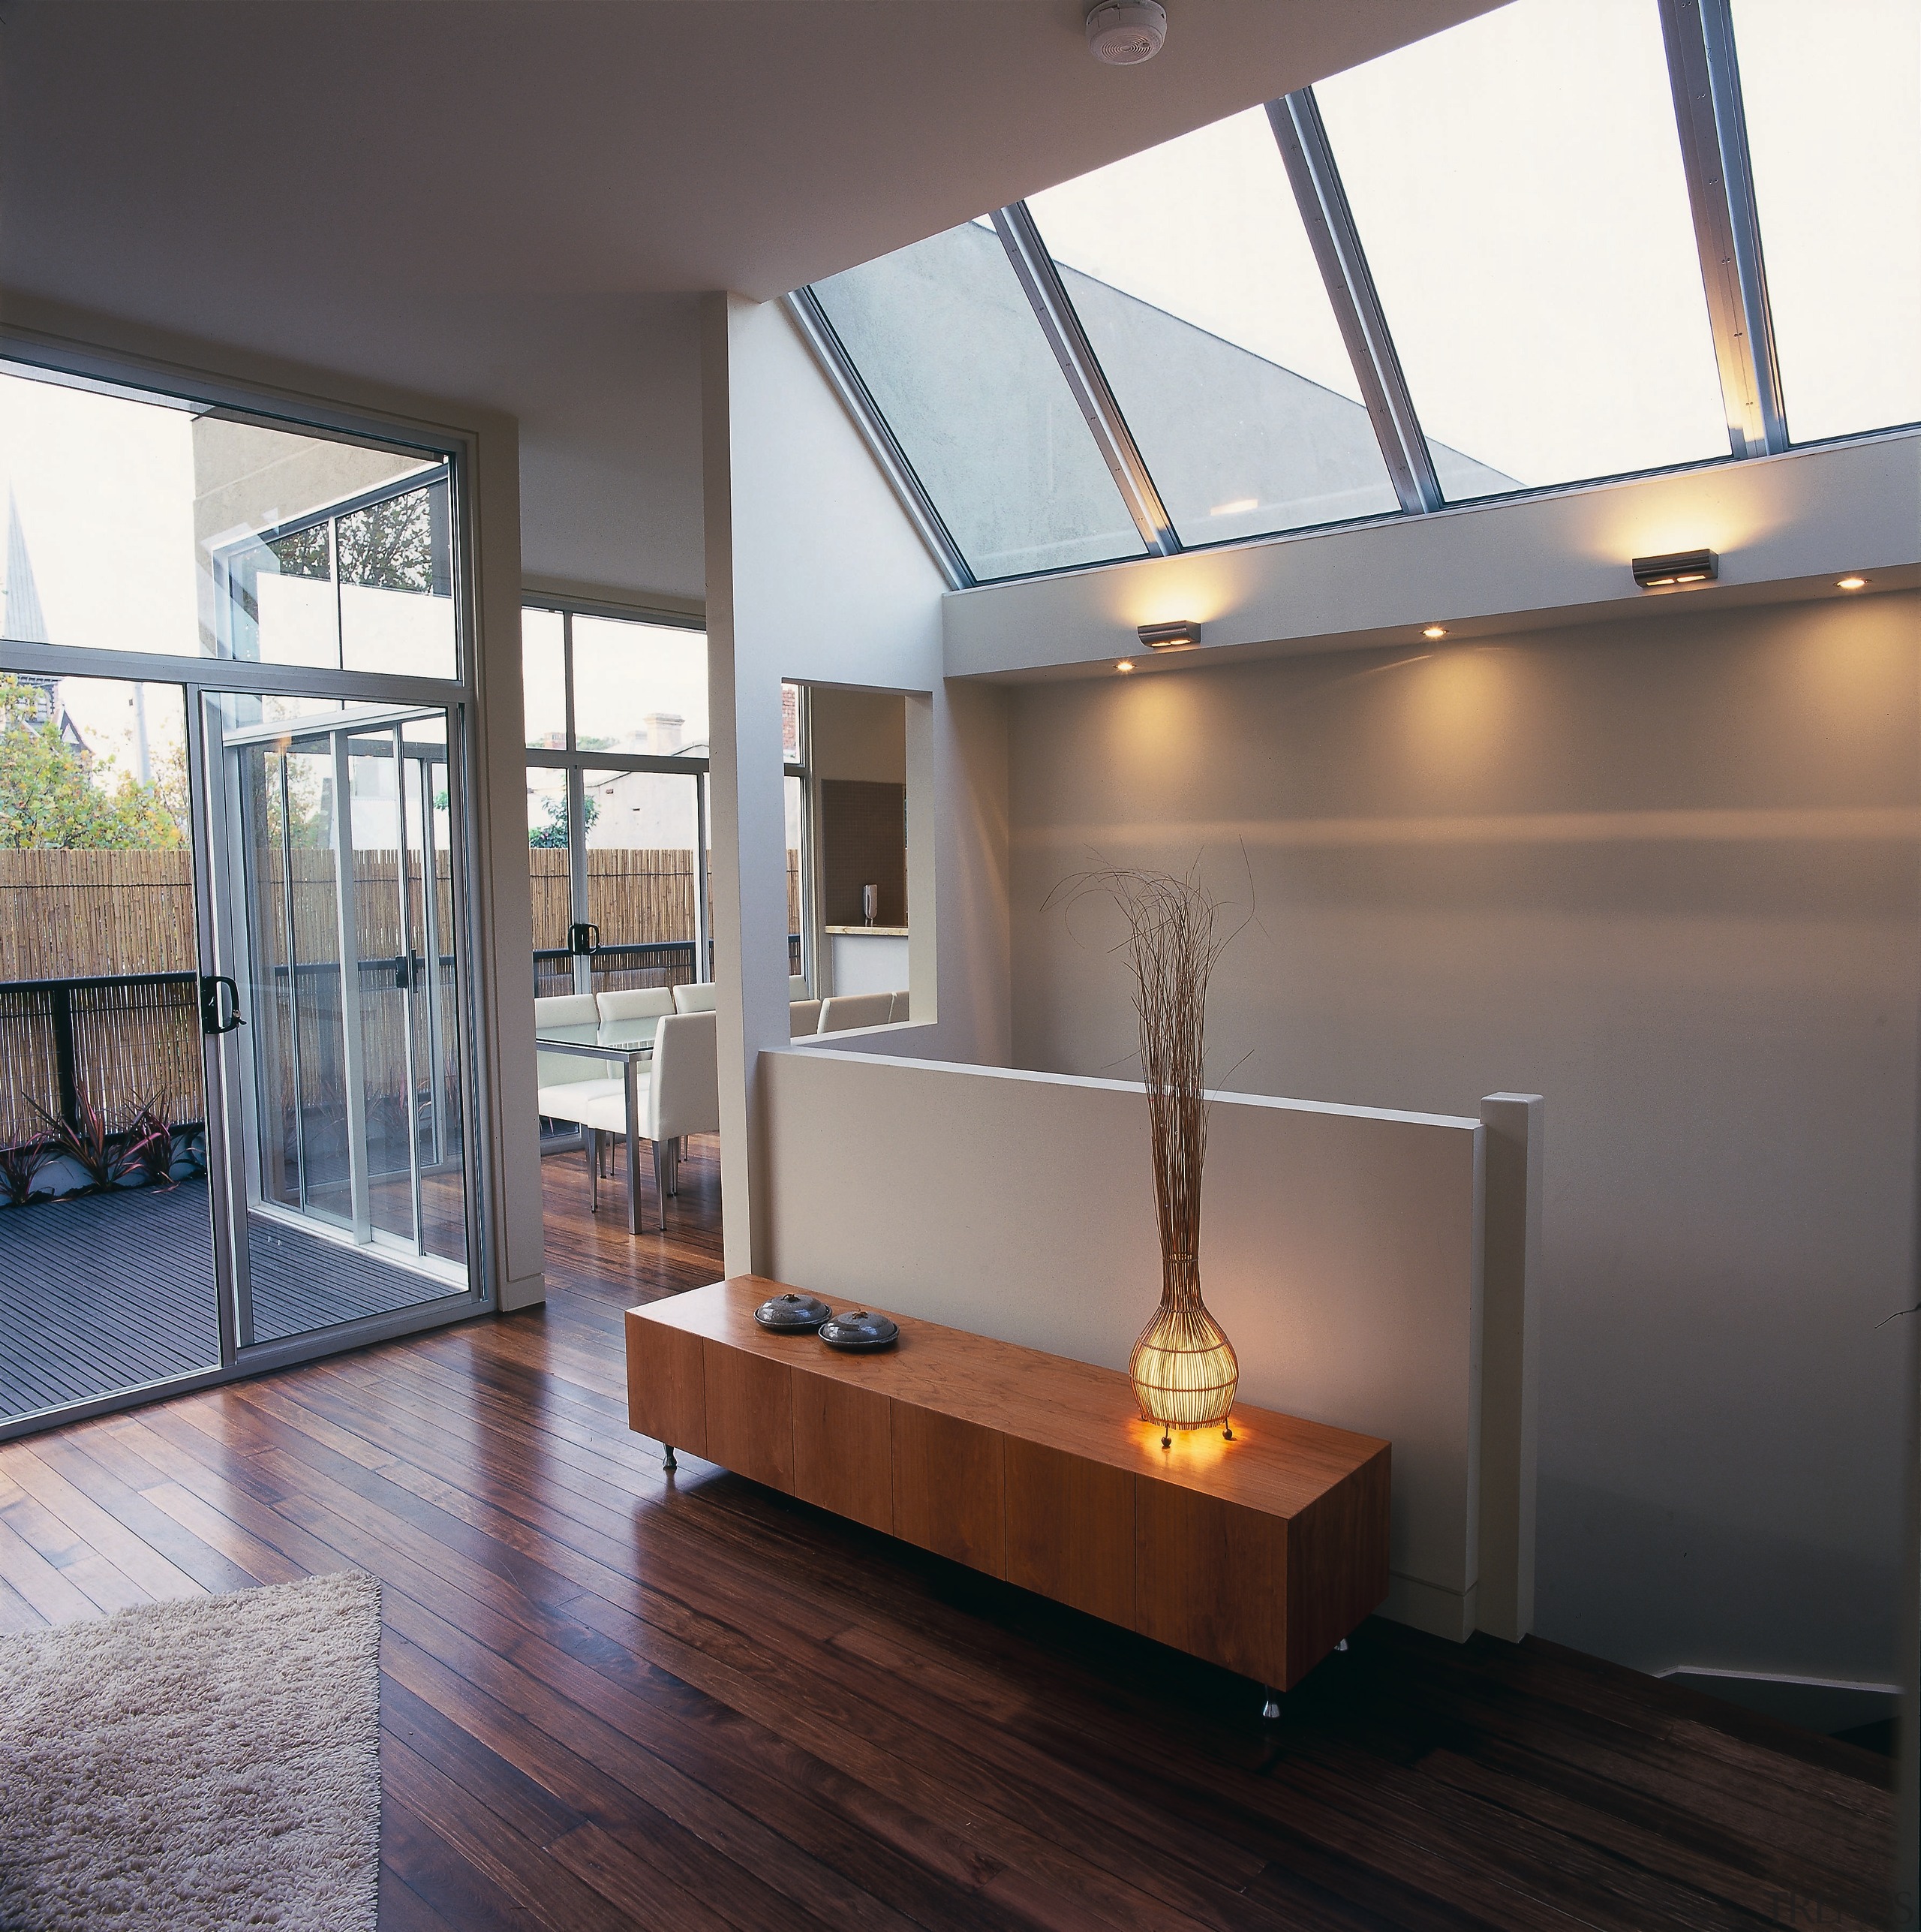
<point>1435,630</point>
<point>1678,566</point>
<point>1850,583</point>
<point>1183,634</point>
<point>1126,664</point>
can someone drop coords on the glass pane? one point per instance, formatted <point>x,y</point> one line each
<point>428,971</point>
<point>106,1270</point>
<point>139,523</point>
<point>1193,275</point>
<point>543,677</point>
<point>640,877</point>
<point>1518,185</point>
<point>639,688</point>
<point>790,723</point>
<point>547,862</point>
<point>396,585</point>
<point>1832,96</point>
<point>945,340</point>
<point>796,952</point>
<point>353,1141</point>
<point>380,969</point>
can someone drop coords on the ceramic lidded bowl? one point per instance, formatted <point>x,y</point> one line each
<point>793,1314</point>
<point>857,1332</point>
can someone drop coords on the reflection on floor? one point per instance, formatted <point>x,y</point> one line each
<point>104,1292</point>
<point>614,1699</point>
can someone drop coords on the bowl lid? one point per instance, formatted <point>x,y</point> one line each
<point>802,1313</point>
<point>858,1329</point>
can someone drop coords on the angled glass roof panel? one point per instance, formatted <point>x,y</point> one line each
<point>1516,183</point>
<point>950,350</point>
<point>1833,99</point>
<point>1192,272</point>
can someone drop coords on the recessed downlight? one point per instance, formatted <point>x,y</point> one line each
<point>1126,664</point>
<point>1435,630</point>
<point>1850,583</point>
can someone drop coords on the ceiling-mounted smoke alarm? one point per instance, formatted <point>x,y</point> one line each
<point>1123,33</point>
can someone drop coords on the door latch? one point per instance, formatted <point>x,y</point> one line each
<point>584,936</point>
<point>210,1017</point>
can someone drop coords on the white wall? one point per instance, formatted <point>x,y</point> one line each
<point>815,574</point>
<point>1664,874</point>
<point>858,735</point>
<point>1781,525</point>
<point>1342,1251</point>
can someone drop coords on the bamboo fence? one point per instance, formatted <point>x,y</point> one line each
<point>76,914</point>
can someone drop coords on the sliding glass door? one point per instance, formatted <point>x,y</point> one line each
<point>337,901</point>
<point>109,1281</point>
<point>236,1048</point>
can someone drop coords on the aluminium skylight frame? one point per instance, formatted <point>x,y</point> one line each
<point>1703,71</point>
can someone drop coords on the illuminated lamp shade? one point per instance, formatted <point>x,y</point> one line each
<point>1677,567</point>
<point>1180,635</point>
<point>1184,1367</point>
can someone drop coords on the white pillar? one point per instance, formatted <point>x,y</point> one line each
<point>744,639</point>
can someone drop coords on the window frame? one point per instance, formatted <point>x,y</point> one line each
<point>575,763</point>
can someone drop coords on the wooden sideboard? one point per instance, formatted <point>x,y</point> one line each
<point>1260,1554</point>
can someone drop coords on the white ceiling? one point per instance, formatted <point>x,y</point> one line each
<point>513,201</point>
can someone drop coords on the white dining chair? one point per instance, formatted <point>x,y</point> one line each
<point>636,1003</point>
<point>844,1011</point>
<point>679,1094</point>
<point>899,1012</point>
<point>803,1017</point>
<point>697,997</point>
<point>569,1083</point>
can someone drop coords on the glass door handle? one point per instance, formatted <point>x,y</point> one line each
<point>210,1019</point>
<point>583,936</point>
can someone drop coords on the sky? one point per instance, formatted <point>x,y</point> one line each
<point>1518,184</point>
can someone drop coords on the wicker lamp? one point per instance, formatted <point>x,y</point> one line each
<point>1184,1368</point>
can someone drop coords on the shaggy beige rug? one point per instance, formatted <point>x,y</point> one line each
<point>196,1767</point>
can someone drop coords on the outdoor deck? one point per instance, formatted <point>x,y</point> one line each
<point>63,1339</point>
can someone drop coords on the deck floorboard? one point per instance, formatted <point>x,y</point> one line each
<point>101,1292</point>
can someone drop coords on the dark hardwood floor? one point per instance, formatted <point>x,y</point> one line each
<point>614,1698</point>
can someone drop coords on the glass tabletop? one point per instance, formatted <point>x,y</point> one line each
<point>617,1036</point>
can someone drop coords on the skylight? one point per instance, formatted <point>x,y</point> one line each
<point>1470,268</point>
<point>1535,254</point>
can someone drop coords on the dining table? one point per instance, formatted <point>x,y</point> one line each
<point>628,1044</point>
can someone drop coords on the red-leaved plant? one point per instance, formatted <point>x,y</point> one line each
<point>105,1158</point>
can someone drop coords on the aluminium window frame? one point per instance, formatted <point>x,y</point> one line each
<point>576,763</point>
<point>141,379</point>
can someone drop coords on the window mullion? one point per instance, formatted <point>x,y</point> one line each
<point>1040,281</point>
<point>1699,35</point>
<point>1309,157</point>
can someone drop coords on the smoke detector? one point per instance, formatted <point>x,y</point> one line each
<point>1123,33</point>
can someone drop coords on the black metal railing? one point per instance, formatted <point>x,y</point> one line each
<point>658,962</point>
<point>119,1041</point>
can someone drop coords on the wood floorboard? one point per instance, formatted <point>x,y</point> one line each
<point>614,1698</point>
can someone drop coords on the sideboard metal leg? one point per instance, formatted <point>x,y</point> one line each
<point>670,1465</point>
<point>1270,1701</point>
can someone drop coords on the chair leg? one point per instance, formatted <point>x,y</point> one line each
<point>593,1139</point>
<point>662,1160</point>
